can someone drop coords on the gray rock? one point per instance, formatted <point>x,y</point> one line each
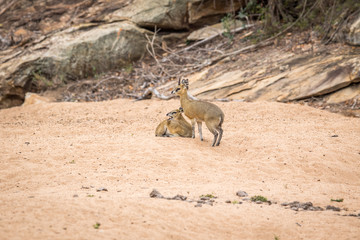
<point>205,198</point>
<point>329,207</point>
<point>202,12</point>
<point>210,31</point>
<point>164,14</point>
<point>306,205</point>
<point>241,194</point>
<point>178,197</point>
<point>101,189</point>
<point>310,76</point>
<point>75,53</point>
<point>296,206</point>
<point>156,194</point>
<point>168,14</point>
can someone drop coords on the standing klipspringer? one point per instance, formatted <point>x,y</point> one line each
<point>200,111</point>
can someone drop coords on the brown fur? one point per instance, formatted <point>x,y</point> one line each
<point>175,126</point>
<point>200,111</point>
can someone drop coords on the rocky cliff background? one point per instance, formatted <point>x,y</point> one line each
<point>288,51</point>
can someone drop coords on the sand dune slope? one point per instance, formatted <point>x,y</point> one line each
<point>55,156</point>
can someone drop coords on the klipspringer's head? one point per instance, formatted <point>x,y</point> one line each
<point>174,113</point>
<point>182,86</point>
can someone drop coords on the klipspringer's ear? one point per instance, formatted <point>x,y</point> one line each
<point>181,109</point>
<point>185,81</point>
<point>179,81</point>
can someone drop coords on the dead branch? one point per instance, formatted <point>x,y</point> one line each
<point>153,92</point>
<point>151,51</point>
<point>9,5</point>
<point>106,79</point>
<point>354,104</point>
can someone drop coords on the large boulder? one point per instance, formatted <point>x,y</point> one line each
<point>172,14</point>
<point>337,77</point>
<point>213,30</point>
<point>24,21</point>
<point>166,14</point>
<point>314,76</point>
<point>201,12</point>
<point>75,53</point>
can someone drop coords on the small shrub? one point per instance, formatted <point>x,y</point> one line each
<point>208,195</point>
<point>258,198</point>
<point>96,225</point>
<point>227,21</point>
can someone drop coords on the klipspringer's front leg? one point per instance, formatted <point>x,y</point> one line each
<point>200,130</point>
<point>193,127</point>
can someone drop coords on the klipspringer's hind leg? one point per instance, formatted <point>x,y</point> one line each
<point>215,136</point>
<point>213,131</point>
<point>166,132</point>
<point>200,130</point>
<point>193,127</point>
<point>219,129</point>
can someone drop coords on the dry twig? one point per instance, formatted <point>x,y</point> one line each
<point>152,91</point>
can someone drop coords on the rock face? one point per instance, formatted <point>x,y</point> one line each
<point>75,53</point>
<point>86,38</point>
<point>24,21</point>
<point>291,79</point>
<point>50,43</point>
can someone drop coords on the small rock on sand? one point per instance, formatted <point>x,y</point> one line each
<point>241,194</point>
<point>156,194</point>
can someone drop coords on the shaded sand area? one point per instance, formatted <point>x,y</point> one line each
<point>85,171</point>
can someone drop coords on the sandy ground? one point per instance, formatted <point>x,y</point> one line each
<point>55,156</point>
